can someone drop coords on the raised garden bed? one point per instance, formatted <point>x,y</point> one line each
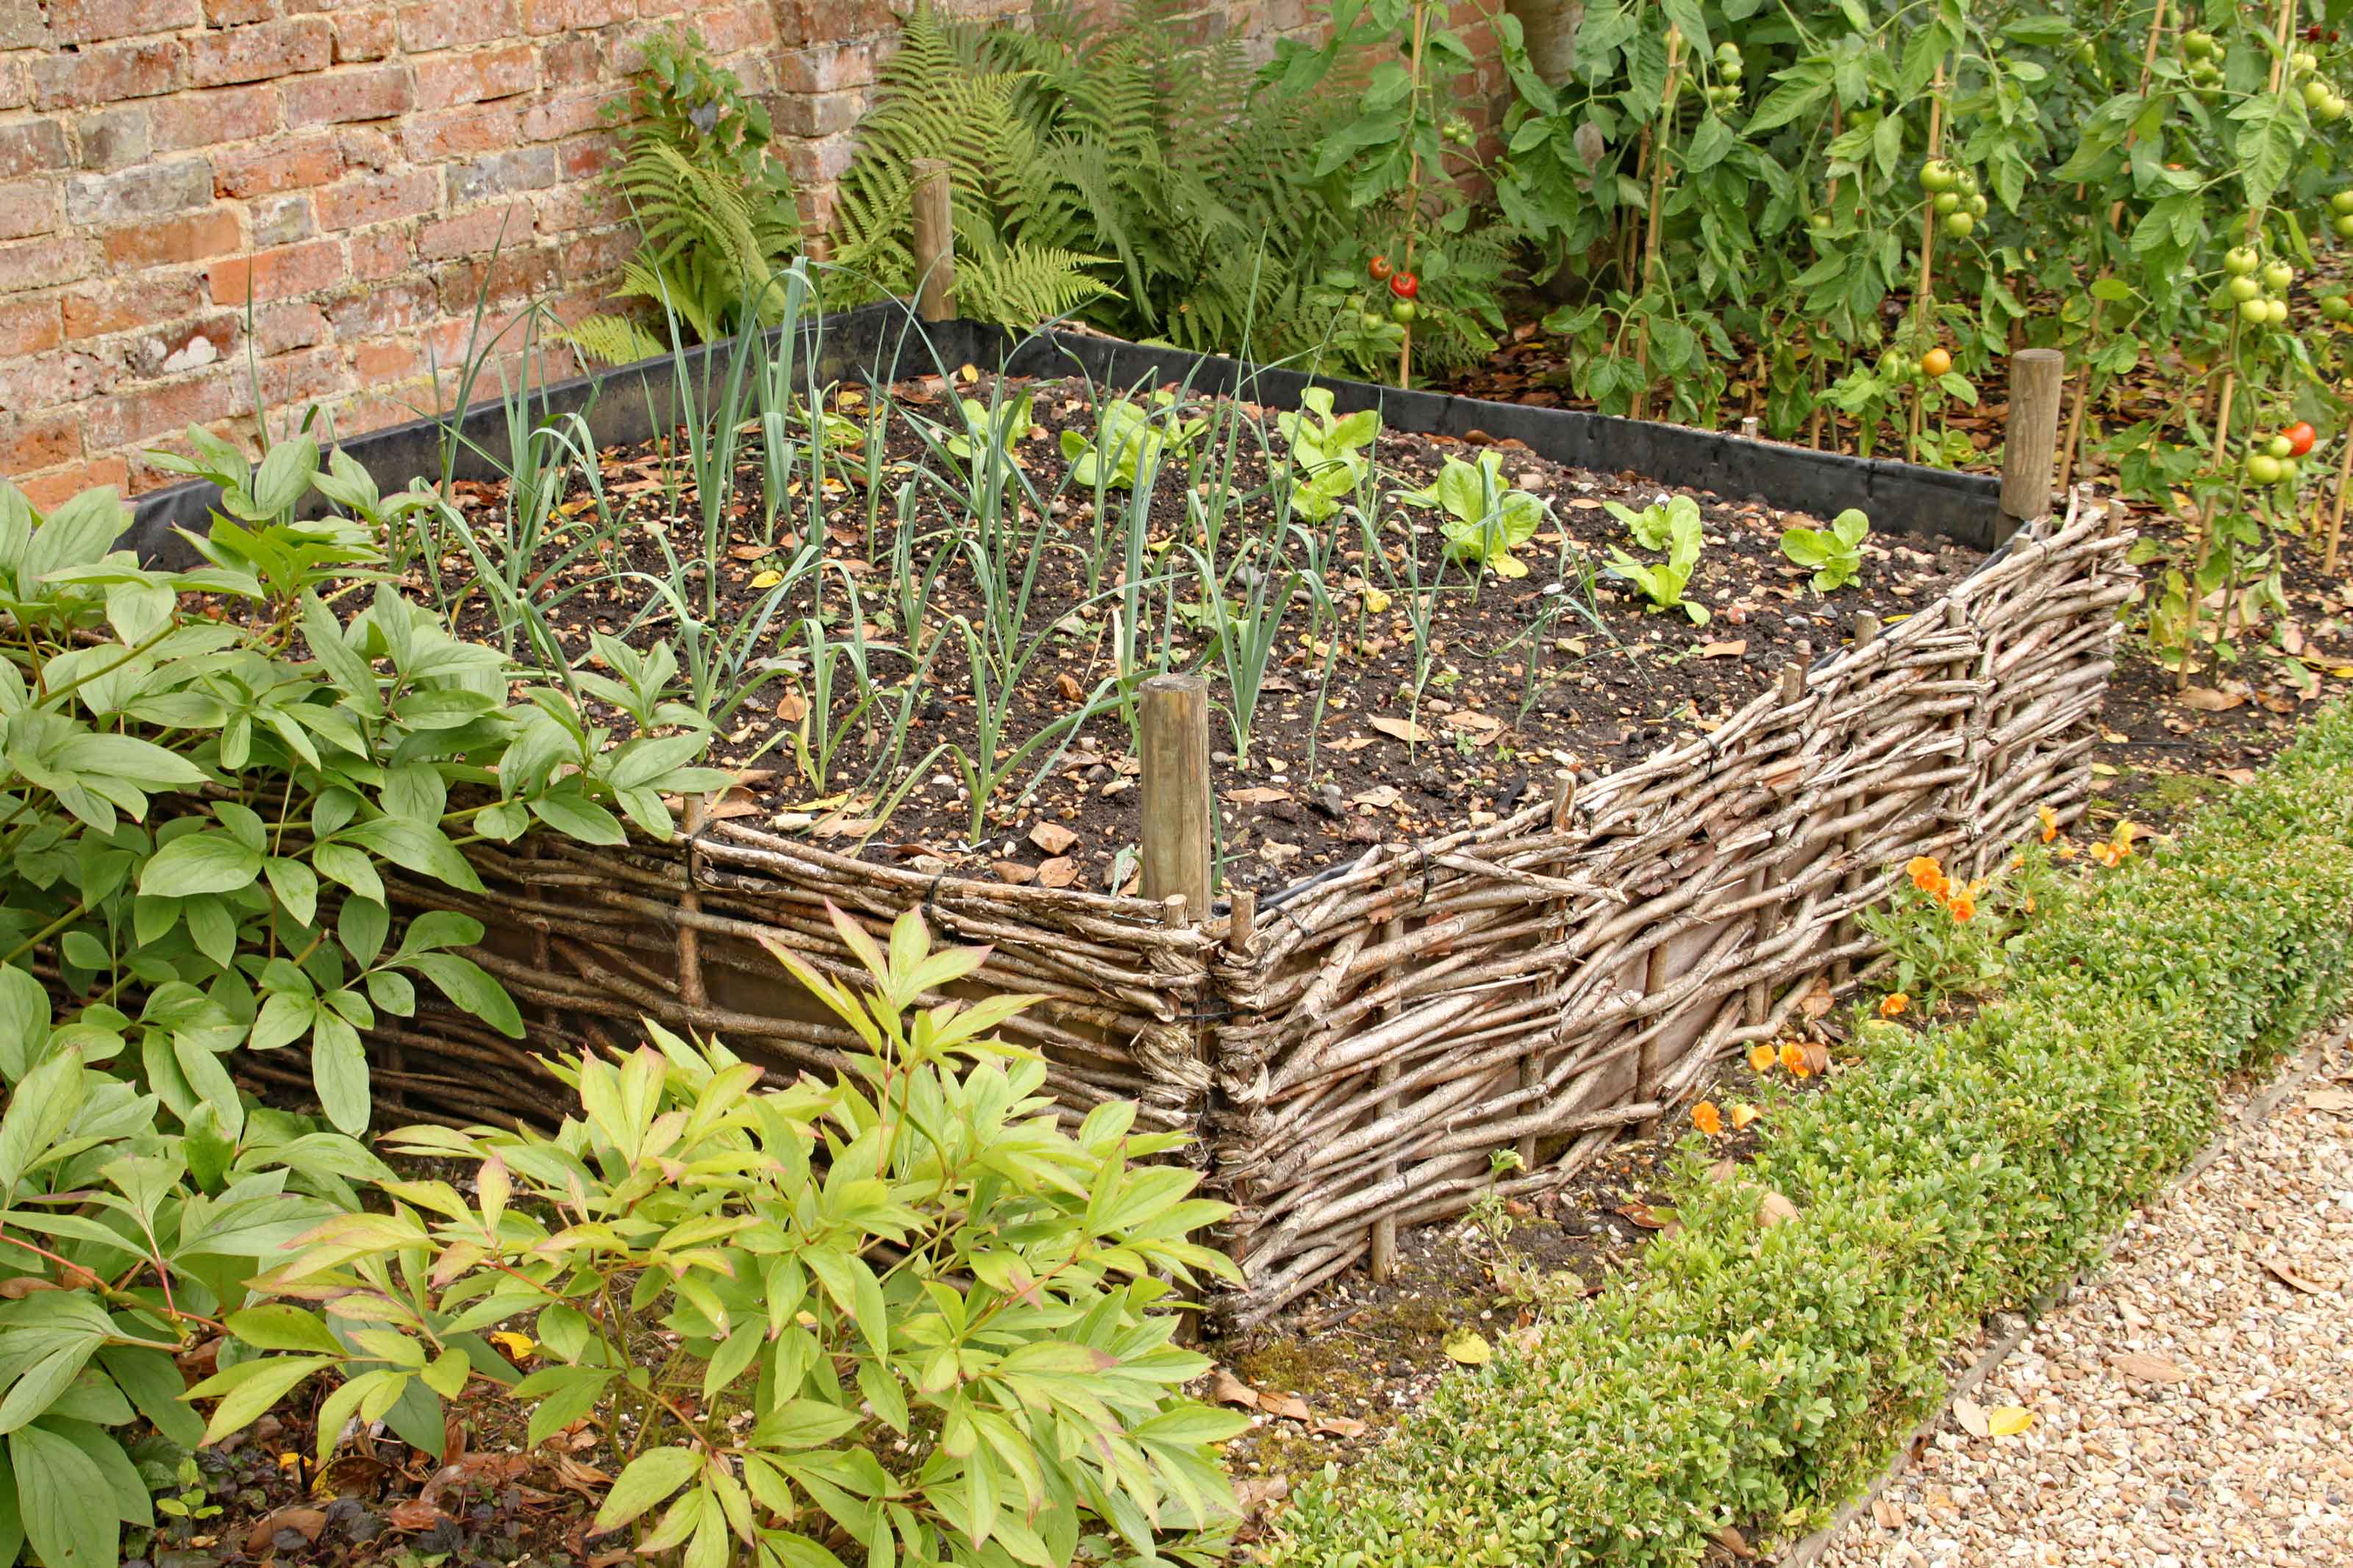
<point>1587,904</point>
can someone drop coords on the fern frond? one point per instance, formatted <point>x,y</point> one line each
<point>610,340</point>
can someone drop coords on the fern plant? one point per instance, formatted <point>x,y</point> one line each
<point>716,211</point>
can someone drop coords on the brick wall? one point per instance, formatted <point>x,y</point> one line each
<point>350,166</point>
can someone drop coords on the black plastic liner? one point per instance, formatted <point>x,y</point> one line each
<point>884,342</point>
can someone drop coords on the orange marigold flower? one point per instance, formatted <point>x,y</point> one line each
<point>2109,855</point>
<point>1743,1113</point>
<point>1893,1003</point>
<point>1964,907</point>
<point>1793,1058</point>
<point>1707,1118</point>
<point>2050,823</point>
<point>1761,1057</point>
<point>1926,874</point>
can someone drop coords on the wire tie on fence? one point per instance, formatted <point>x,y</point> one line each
<point>931,895</point>
<point>1423,850</point>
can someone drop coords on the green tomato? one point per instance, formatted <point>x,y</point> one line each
<point>2315,92</point>
<point>1403,311</point>
<point>2243,288</point>
<point>2336,307</point>
<point>2196,46</point>
<point>2303,62</point>
<point>1372,320</point>
<point>2341,202</point>
<point>2240,261</point>
<point>2279,447</point>
<point>2277,276</point>
<point>1959,225</point>
<point>1977,206</point>
<point>2288,469</point>
<point>1727,51</point>
<point>2275,311</point>
<point>2331,109</point>
<point>2254,312</point>
<point>2343,226</point>
<point>1818,220</point>
<point>2264,469</point>
<point>1966,182</point>
<point>1947,202</point>
<point>1936,175</point>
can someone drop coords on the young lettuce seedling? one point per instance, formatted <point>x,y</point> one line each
<point>1836,551</point>
<point>1486,519</point>
<point>1329,457</point>
<point>1663,583</point>
<point>1131,441</point>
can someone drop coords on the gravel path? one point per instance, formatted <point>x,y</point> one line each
<point>2193,1408</point>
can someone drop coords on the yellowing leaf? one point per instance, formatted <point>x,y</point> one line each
<point>1376,602</point>
<point>1743,1113</point>
<point>1470,1349</point>
<point>2009,1420</point>
<point>516,1345</point>
<point>766,579</point>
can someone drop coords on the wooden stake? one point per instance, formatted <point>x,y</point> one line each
<point>1924,302</point>
<point>2336,511</point>
<point>2038,381</point>
<point>1650,233</point>
<point>1244,923</point>
<point>1174,712</point>
<point>934,240</point>
<point>691,992</point>
<point>1759,1004</point>
<point>1382,1259</point>
<point>1655,979</point>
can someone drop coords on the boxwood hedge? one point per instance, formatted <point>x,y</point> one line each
<point>1752,1374</point>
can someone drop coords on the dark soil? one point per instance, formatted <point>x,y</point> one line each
<point>1527,677</point>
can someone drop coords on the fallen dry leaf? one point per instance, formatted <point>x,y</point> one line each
<point>1258,794</point>
<point>1972,1415</point>
<point>1059,872</point>
<point>2009,1420</point>
<point>792,707</point>
<point>1470,1349</point>
<point>1254,1492</point>
<point>413,1514</point>
<point>1014,871</point>
<point>1069,688</point>
<point>1817,1001</point>
<point>2206,699</point>
<point>1775,1210</point>
<point>1225,1389</point>
<point>1403,729</point>
<point>1647,1217</point>
<point>1732,1540</point>
<point>2149,1368</point>
<point>301,1519</point>
<point>1724,650</point>
<point>1290,1407</point>
<point>1887,1513</point>
<point>1053,838</point>
<point>2329,1099</point>
<point>2288,1273</point>
<point>1339,1426</point>
<point>586,1480</point>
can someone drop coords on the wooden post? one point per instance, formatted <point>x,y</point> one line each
<point>935,241</point>
<point>1760,992</point>
<point>1646,1055</point>
<point>1532,1065</point>
<point>1174,846</point>
<point>1866,631</point>
<point>1244,923</point>
<point>2030,440</point>
<point>691,989</point>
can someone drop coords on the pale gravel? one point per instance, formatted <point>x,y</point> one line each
<point>2247,1459</point>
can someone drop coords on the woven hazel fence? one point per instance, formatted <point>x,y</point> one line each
<point>1352,1058</point>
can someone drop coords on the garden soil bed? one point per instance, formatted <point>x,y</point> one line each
<point>1528,677</point>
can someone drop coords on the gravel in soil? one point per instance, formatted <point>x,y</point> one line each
<point>2190,1407</point>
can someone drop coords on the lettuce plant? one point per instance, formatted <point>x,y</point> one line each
<point>1486,519</point>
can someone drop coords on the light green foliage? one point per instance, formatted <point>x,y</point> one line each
<point>124,1229</point>
<point>987,436</point>
<point>1676,529</point>
<point>1835,552</point>
<point>912,1312</point>
<point>1486,519</point>
<point>1330,458</point>
<point>715,209</point>
<point>1135,438</point>
<point>193,821</point>
<point>1762,1373</point>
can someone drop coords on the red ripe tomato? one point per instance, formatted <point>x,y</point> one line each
<point>2300,438</point>
<point>1404,285</point>
<point>2312,34</point>
<point>1379,267</point>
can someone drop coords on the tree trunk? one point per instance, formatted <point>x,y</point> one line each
<point>1550,28</point>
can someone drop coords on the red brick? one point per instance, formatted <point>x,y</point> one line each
<point>374,92</point>
<point>396,307</point>
<point>278,274</point>
<point>585,157</point>
<point>145,190</point>
<point>728,32</point>
<point>455,24</point>
<point>26,327</point>
<point>28,206</point>
<point>566,116</point>
<point>364,36</point>
<point>32,146</point>
<point>382,253</point>
<point>459,132</point>
<point>168,409</point>
<point>599,254</point>
<point>281,328</point>
<point>238,13</point>
<point>305,375</point>
<point>44,443</point>
<point>262,53</point>
<point>282,167</point>
<point>379,198</point>
<point>184,345</point>
<point>560,16</point>
<point>475,78</point>
<point>90,21</point>
<point>281,219</point>
<point>510,276</point>
<point>389,359</point>
<point>98,309</point>
<point>210,118</point>
<point>54,380</point>
<point>114,138</point>
<point>476,233</point>
<point>107,74</point>
<point>16,86</point>
<point>38,263</point>
<point>574,206</point>
<point>47,490</point>
<point>170,241</point>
